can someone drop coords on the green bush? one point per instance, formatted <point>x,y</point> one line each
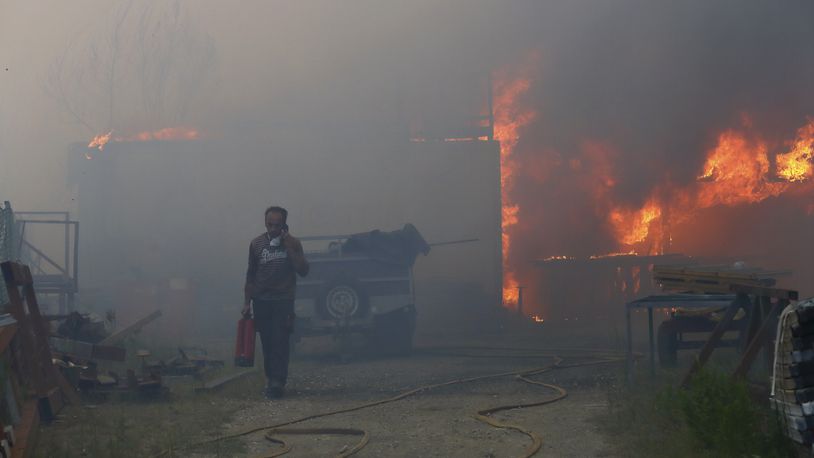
<point>727,420</point>
<point>715,416</point>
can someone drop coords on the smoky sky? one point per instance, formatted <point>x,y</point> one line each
<point>660,80</point>
<point>654,77</point>
<point>653,81</point>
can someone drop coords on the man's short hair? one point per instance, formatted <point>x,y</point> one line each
<point>276,209</point>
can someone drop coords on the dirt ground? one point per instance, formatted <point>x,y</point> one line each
<point>438,422</point>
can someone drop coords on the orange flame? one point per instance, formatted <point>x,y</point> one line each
<point>635,226</point>
<point>737,171</point>
<point>509,118</point>
<point>796,164</point>
<point>166,134</point>
<point>100,141</point>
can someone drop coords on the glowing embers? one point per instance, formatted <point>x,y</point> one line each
<point>166,134</point>
<point>451,139</point>
<point>558,258</point>
<point>614,255</point>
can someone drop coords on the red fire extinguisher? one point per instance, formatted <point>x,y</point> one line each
<point>244,351</point>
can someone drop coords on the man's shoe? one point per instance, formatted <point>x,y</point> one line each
<point>274,392</point>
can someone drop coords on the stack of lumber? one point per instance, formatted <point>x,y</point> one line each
<point>793,380</point>
<point>713,278</point>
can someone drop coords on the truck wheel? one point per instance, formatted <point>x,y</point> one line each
<point>394,332</point>
<point>343,299</point>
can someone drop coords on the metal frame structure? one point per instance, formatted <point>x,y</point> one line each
<point>65,283</point>
<point>763,304</point>
<point>665,301</point>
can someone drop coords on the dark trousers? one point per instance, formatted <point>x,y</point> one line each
<point>274,321</point>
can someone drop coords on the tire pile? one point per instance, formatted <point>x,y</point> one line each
<point>793,375</point>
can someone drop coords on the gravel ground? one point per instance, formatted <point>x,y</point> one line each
<point>439,422</point>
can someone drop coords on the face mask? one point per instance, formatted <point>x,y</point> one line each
<point>273,241</point>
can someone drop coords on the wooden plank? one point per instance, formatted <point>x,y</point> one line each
<point>130,329</point>
<point>85,350</point>
<point>51,405</point>
<point>7,334</point>
<point>36,357</point>
<point>28,361</point>
<point>720,272</point>
<point>40,327</point>
<point>787,294</point>
<point>26,432</point>
<point>759,340</point>
<point>220,382</point>
<point>714,337</point>
<point>698,279</point>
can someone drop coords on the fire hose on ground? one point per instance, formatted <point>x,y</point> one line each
<point>271,431</point>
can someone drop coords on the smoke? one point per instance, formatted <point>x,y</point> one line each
<point>630,95</point>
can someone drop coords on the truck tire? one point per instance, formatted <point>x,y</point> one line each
<point>342,299</point>
<point>393,334</point>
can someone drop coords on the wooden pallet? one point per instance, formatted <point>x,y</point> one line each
<point>37,372</point>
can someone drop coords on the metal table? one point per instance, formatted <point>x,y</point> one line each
<point>666,301</point>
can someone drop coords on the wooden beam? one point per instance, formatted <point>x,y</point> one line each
<point>130,329</point>
<point>786,294</point>
<point>723,325</point>
<point>40,328</point>
<point>220,382</point>
<point>26,432</point>
<point>37,361</point>
<point>759,339</point>
<point>29,362</point>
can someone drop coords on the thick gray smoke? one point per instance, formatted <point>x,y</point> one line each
<point>328,88</point>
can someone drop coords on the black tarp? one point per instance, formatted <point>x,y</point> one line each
<point>394,247</point>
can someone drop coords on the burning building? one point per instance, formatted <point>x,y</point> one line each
<point>166,215</point>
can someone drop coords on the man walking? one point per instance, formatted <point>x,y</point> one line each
<point>275,259</point>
